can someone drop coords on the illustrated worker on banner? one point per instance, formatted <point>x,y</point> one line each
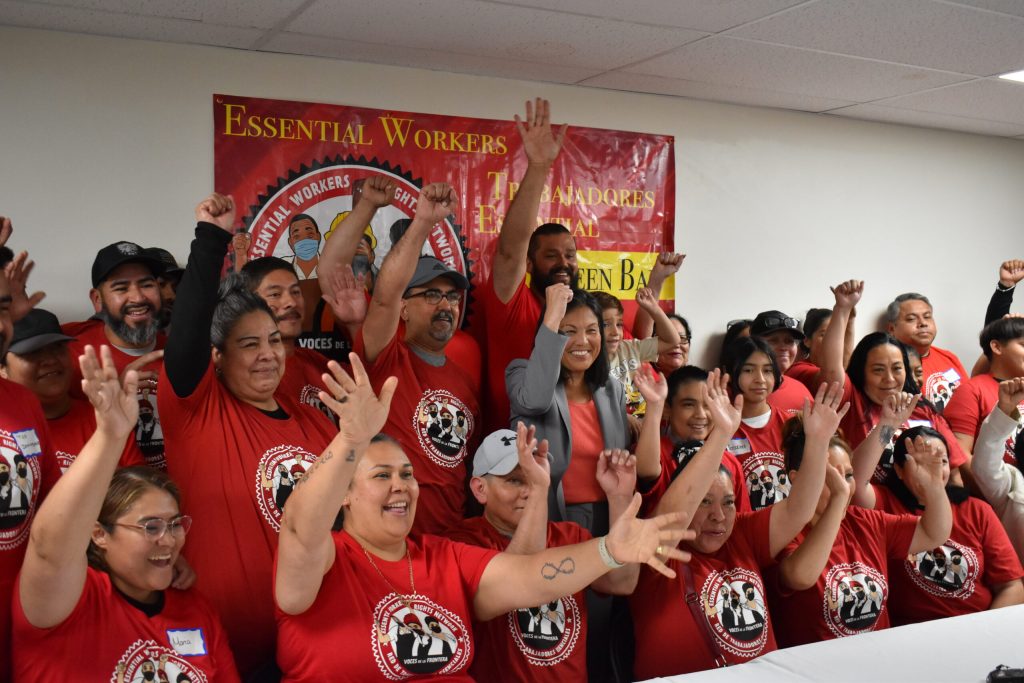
<point>304,239</point>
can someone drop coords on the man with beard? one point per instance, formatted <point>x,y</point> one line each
<point>425,295</point>
<point>126,297</point>
<point>548,254</point>
<point>23,438</point>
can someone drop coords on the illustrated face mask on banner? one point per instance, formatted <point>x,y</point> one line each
<point>306,249</point>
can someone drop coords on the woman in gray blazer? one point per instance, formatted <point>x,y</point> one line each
<point>567,378</point>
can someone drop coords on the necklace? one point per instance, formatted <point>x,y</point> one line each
<point>382,632</point>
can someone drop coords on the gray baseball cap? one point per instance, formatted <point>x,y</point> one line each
<point>497,454</point>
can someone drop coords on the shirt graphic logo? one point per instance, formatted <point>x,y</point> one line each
<point>443,425</point>
<point>147,660</point>
<point>546,635</point>
<point>766,479</point>
<point>855,596</point>
<point>412,635</point>
<point>735,609</point>
<point>949,571</point>
<point>19,489</point>
<point>281,469</point>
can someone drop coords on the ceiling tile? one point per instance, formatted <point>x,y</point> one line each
<point>701,15</point>
<point>875,112</point>
<point>293,43</point>
<point>989,99</point>
<point>78,20</point>
<point>181,9</point>
<point>658,85</point>
<point>491,30</point>
<point>923,33</point>
<point>254,13</point>
<point>1014,7</point>
<point>729,61</point>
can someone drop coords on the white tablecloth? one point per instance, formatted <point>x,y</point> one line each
<point>960,649</point>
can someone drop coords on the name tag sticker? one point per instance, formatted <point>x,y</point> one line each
<point>739,447</point>
<point>952,376</point>
<point>187,642</point>
<point>28,442</point>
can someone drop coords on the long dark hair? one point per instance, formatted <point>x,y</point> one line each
<point>737,353</point>
<point>596,376</point>
<point>856,370</point>
<point>956,494</point>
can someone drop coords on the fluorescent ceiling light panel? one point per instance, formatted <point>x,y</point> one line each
<point>1014,76</point>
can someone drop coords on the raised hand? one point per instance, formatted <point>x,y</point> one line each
<point>361,413</point>
<point>219,210</point>
<point>116,404</point>
<point>17,272</point>
<point>539,143</point>
<point>898,408</point>
<point>925,463</point>
<point>437,201</point>
<point>346,295</point>
<point>184,575</point>
<point>1011,394</point>
<point>848,293</point>
<point>533,457</point>
<point>378,191</point>
<point>147,378</point>
<point>823,417</point>
<point>649,541</point>
<point>839,487</point>
<point>725,414</point>
<point>647,299</point>
<point>616,472</point>
<point>557,298</point>
<point>1010,272</point>
<point>652,385</point>
<point>668,264</point>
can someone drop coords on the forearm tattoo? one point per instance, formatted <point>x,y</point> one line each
<point>351,457</point>
<point>885,434</point>
<point>550,572</point>
<point>313,468</point>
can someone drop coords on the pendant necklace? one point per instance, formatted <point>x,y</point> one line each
<point>405,599</point>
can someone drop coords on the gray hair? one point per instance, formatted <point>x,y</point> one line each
<point>892,311</point>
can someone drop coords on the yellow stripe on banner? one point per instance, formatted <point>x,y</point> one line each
<point>620,273</point>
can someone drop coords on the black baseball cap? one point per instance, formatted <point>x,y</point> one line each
<point>113,255</point>
<point>767,322</point>
<point>37,329</point>
<point>429,268</point>
<point>171,266</point>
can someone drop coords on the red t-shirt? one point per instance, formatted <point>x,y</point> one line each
<point>759,451</point>
<point>105,632</point>
<point>510,328</point>
<point>149,434</point>
<point>957,577</point>
<point>731,597</point>
<point>943,373</point>
<point>850,595</point>
<point>359,629</point>
<point>302,381</point>
<point>864,415</point>
<point>671,455</point>
<point>546,643</point>
<point>71,431</point>
<point>579,483</point>
<point>805,372</point>
<point>236,468</point>
<point>464,351</point>
<point>23,434</point>
<point>973,401</point>
<point>434,415</point>
<point>789,397</point>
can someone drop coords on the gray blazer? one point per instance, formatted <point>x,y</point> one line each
<point>538,398</point>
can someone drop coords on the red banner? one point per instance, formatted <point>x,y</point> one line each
<point>614,190</point>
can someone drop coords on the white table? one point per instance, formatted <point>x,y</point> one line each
<point>960,649</point>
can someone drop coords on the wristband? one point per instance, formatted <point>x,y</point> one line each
<point>606,557</point>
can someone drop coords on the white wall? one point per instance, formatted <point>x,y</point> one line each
<point>103,138</point>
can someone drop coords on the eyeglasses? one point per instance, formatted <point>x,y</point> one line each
<point>684,340</point>
<point>775,321</point>
<point>434,296</point>
<point>156,528</point>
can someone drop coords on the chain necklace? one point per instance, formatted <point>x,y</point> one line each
<point>405,599</point>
